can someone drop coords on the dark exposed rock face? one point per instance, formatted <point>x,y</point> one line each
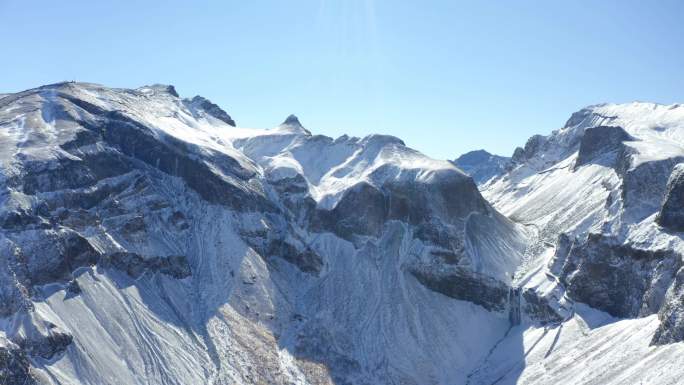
<point>172,158</point>
<point>15,366</point>
<point>599,141</point>
<point>481,165</point>
<point>464,285</point>
<point>645,187</point>
<point>436,208</point>
<point>533,146</point>
<point>671,215</point>
<point>514,311</point>
<point>292,120</point>
<point>14,296</point>
<point>136,265</point>
<point>233,185</point>
<point>68,173</point>
<point>304,258</point>
<point>671,328</point>
<point>211,109</point>
<point>276,243</point>
<point>55,342</point>
<point>621,280</point>
<point>362,211</point>
<point>44,256</point>
<point>294,193</point>
<point>74,251</point>
<point>538,308</point>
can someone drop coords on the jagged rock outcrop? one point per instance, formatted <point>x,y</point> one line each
<point>599,142</point>
<point>277,241</point>
<point>433,207</point>
<point>458,283</point>
<point>45,346</point>
<point>671,315</point>
<point>533,145</point>
<point>136,265</point>
<point>620,279</point>
<point>210,108</point>
<point>292,120</point>
<point>644,186</point>
<point>671,214</point>
<point>15,367</point>
<point>538,308</point>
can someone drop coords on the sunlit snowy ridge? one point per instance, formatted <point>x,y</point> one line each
<point>148,240</point>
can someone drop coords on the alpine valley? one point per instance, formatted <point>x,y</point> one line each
<point>146,239</point>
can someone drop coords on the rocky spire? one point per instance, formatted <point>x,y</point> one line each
<point>292,123</point>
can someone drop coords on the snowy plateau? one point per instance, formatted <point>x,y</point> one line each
<point>147,239</point>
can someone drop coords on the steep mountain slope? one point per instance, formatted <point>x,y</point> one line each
<point>600,194</point>
<point>481,165</point>
<point>148,240</point>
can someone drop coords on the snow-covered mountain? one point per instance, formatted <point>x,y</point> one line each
<point>148,240</point>
<point>481,165</point>
<point>607,251</point>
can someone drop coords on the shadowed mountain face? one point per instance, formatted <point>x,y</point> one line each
<point>148,240</point>
<point>481,165</point>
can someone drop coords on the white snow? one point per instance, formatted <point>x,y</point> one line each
<point>589,349</point>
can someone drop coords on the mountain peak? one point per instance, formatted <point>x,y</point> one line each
<point>210,108</point>
<point>481,165</point>
<point>292,120</point>
<point>292,123</point>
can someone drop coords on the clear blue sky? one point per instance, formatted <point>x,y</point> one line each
<point>446,76</point>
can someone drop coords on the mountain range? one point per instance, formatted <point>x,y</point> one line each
<point>147,238</point>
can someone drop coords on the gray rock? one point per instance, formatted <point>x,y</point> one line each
<point>46,346</point>
<point>361,211</point>
<point>671,328</point>
<point>210,108</point>
<point>235,186</point>
<point>598,142</point>
<point>538,309</point>
<point>645,187</point>
<point>433,207</point>
<point>136,265</point>
<point>534,144</point>
<point>620,279</point>
<point>463,284</point>
<point>671,214</point>
<point>46,256</point>
<point>481,165</point>
<point>15,367</point>
<point>292,120</point>
<point>275,243</point>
